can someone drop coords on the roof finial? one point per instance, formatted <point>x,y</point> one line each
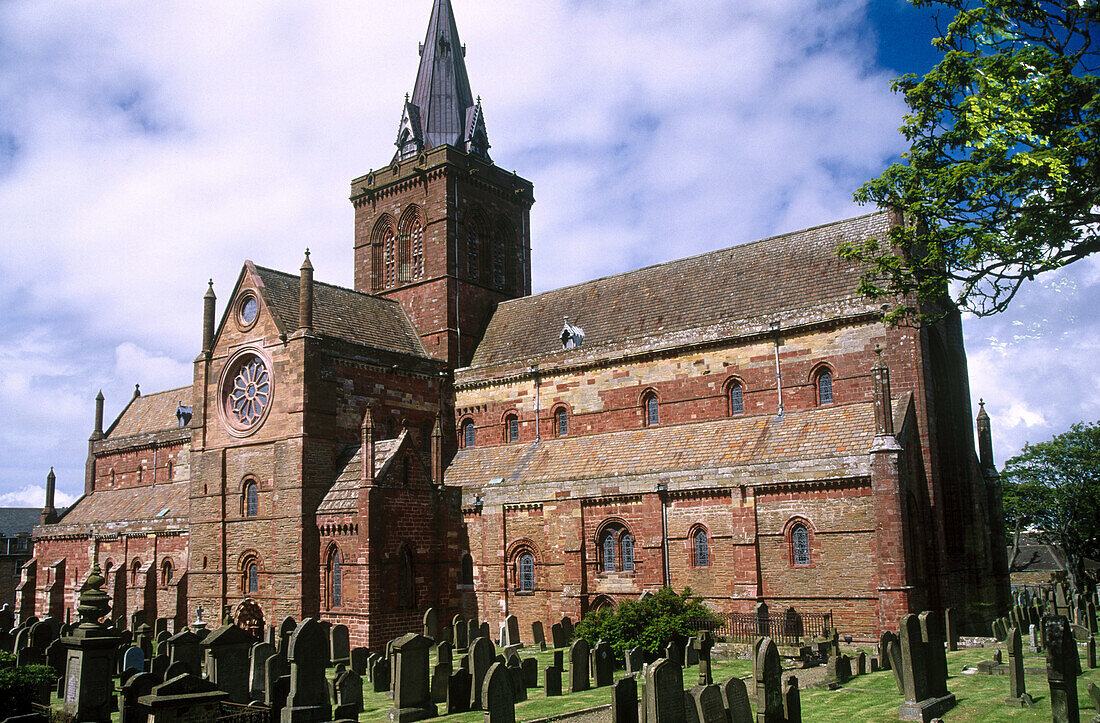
<point>137,391</point>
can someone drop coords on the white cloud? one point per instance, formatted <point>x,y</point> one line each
<point>34,496</point>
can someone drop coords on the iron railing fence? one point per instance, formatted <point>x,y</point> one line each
<point>782,627</point>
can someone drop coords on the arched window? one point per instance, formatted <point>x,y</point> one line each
<point>135,570</point>
<point>800,545</point>
<point>702,548</point>
<point>166,573</point>
<point>652,414</point>
<point>527,571</point>
<point>389,259</point>
<point>410,243</point>
<point>406,597</point>
<point>468,440</point>
<point>335,579</point>
<point>253,571</point>
<point>825,387</point>
<point>737,399</point>
<point>498,263</point>
<point>417,251</point>
<point>467,569</point>
<point>561,422</point>
<point>511,428</point>
<point>609,552</point>
<point>251,499</point>
<point>473,253</point>
<point>627,543</point>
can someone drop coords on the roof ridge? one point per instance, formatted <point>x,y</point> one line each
<point>270,270</point>
<point>640,269</point>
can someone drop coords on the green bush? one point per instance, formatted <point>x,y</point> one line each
<point>649,624</point>
<point>19,687</point>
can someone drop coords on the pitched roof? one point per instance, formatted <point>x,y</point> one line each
<point>342,313</point>
<point>839,431</point>
<point>151,413</point>
<point>797,272</point>
<point>130,504</point>
<point>344,494</point>
<point>18,520</point>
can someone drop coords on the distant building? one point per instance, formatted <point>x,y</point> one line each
<point>1039,563</point>
<point>16,524</point>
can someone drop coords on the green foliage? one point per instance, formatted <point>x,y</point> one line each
<point>1002,178</point>
<point>649,624</point>
<point>18,686</point>
<point>1054,488</point>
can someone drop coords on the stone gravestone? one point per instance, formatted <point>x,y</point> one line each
<point>760,612</point>
<point>497,692</point>
<point>530,668</point>
<point>431,624</point>
<point>707,702</point>
<point>158,666</point>
<point>578,666</point>
<point>339,641</point>
<point>768,672</point>
<point>792,701</point>
<point>1090,652</point>
<point>227,664</point>
<point>1062,664</point>
<point>359,658</point>
<point>380,675</point>
<point>538,635</point>
<point>951,629</point>
<point>861,663</point>
<point>515,673</point>
<point>567,628</point>
<point>735,698</point>
<point>184,698</point>
<point>441,676</point>
<point>552,683</point>
<point>1094,694</point>
<point>349,696</point>
<point>1033,640</point>
<point>458,633</point>
<point>664,693</point>
<point>134,658</point>
<point>257,669</point>
<point>605,664</point>
<point>129,710</point>
<point>482,653</point>
<point>557,635</point>
<point>884,640</point>
<point>635,659</point>
<point>1018,690</point>
<point>624,701</point>
<point>412,695</point>
<point>485,631</point>
<point>458,692</point>
<point>308,700</point>
<point>286,630</point>
<point>691,654</point>
<point>703,643</point>
<point>918,675</point>
<point>672,653</point>
<point>511,630</point>
<point>275,669</point>
<point>893,654</point>
<point>932,636</point>
<point>89,656</point>
<point>473,631</point>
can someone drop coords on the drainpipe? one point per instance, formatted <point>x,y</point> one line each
<point>778,370</point>
<point>538,404</point>
<point>662,492</point>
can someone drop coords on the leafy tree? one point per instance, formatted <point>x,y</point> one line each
<point>1054,488</point>
<point>649,624</point>
<point>1002,179</point>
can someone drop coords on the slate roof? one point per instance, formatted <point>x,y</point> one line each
<point>130,505</point>
<point>342,313</point>
<point>344,494</point>
<point>1035,556</point>
<point>442,95</point>
<point>791,273</point>
<point>18,520</point>
<point>839,431</point>
<point>150,413</point>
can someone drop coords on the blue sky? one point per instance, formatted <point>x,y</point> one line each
<point>146,147</point>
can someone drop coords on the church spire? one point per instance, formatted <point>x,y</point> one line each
<point>442,110</point>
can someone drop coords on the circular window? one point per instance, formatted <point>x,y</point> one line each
<point>249,310</point>
<point>246,392</point>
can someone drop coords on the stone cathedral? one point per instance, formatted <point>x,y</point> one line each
<point>741,422</point>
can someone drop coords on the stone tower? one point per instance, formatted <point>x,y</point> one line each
<point>441,229</point>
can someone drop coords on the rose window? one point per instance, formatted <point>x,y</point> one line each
<point>248,393</point>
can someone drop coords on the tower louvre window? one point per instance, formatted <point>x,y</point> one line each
<point>389,260</point>
<point>417,252</point>
<point>498,263</point>
<point>473,255</point>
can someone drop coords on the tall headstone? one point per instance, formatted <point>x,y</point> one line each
<point>760,612</point>
<point>538,635</point>
<point>635,659</point>
<point>441,676</point>
<point>511,631</point>
<point>90,656</point>
<point>932,636</point>
<point>792,701</point>
<point>129,709</point>
<point>735,697</point>
<point>308,701</point>
<point>557,635</point>
<point>286,630</point>
<point>359,658</point>
<point>951,629</point>
<point>921,703</point>
<point>458,691</point>
<point>1017,689</point>
<point>605,664</point>
<point>431,624</point>
<point>459,631</point>
<point>227,664</point>
<point>349,695</point>
<point>578,666</point>
<point>412,695</point>
<point>1090,652</point>
<point>380,675</point>
<point>704,704</point>
<point>275,669</point>
<point>884,639</point>
<point>482,653</point>
<point>184,647</point>
<point>257,669</point>
<point>768,672</point>
<point>624,701</point>
<point>340,644</point>
<point>498,694</point>
<point>664,693</point>
<point>567,628</point>
<point>1062,664</point>
<point>134,658</point>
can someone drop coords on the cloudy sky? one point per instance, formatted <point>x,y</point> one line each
<point>146,147</point>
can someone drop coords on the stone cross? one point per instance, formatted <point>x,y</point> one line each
<point>703,644</point>
<point>1062,664</point>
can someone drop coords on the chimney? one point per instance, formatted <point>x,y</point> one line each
<point>985,441</point>
<point>437,452</point>
<point>49,512</point>
<point>367,448</point>
<point>305,296</point>
<point>884,408</point>
<point>97,432</point>
<point>208,319</point>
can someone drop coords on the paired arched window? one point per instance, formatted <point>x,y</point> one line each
<point>410,252</point>
<point>166,573</point>
<point>651,409</point>
<point>406,594</point>
<point>468,438</point>
<point>700,548</point>
<point>511,428</point>
<point>389,258</point>
<point>800,545</point>
<point>825,387</point>
<point>467,569</point>
<point>736,399</point>
<point>251,499</point>
<point>616,547</point>
<point>561,422</point>
<point>473,252</point>
<point>335,579</point>
<point>526,564</point>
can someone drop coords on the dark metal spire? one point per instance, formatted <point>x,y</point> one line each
<point>442,110</point>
